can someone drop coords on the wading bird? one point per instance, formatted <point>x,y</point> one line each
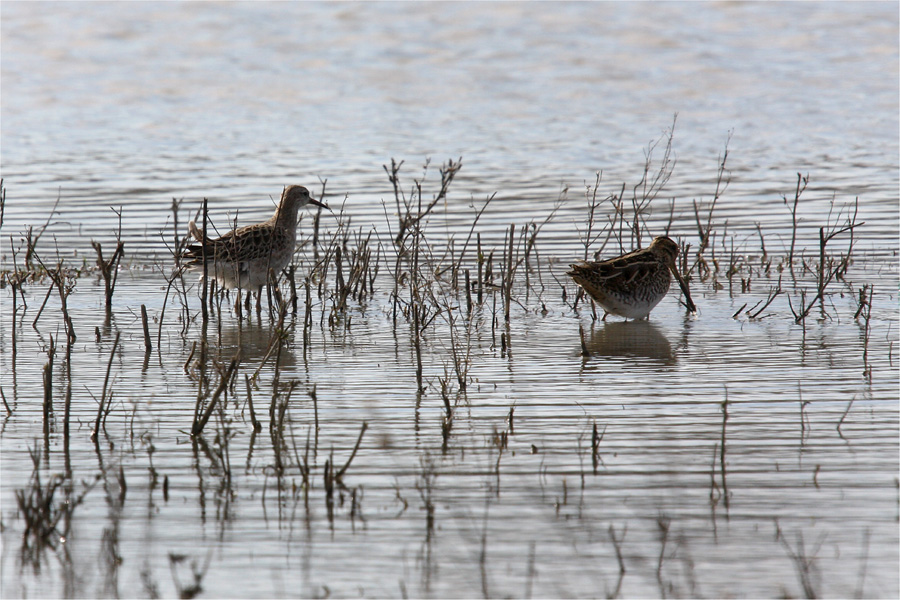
<point>243,257</point>
<point>631,285</point>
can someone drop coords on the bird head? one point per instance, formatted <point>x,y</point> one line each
<point>299,196</point>
<point>667,250</point>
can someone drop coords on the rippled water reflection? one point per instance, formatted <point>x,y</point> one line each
<point>684,456</point>
<point>655,392</point>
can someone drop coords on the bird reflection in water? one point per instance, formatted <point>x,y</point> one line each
<point>641,339</point>
<point>255,341</point>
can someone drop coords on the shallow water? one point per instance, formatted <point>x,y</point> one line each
<point>139,104</point>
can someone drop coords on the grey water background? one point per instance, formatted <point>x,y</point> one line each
<point>127,106</point>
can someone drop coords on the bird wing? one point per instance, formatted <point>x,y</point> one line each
<point>621,273</point>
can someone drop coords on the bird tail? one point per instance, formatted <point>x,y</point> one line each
<point>577,270</point>
<point>196,233</point>
<point>194,252</point>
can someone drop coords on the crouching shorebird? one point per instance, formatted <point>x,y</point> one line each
<point>632,284</point>
<point>242,258</point>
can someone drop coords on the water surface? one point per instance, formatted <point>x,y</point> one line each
<point>127,108</point>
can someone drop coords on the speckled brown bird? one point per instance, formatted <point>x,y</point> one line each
<point>633,284</point>
<point>243,257</point>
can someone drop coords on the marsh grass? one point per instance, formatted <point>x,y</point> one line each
<point>442,293</point>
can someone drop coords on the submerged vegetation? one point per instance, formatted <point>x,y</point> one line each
<point>449,299</point>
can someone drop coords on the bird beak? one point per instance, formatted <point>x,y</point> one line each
<point>684,288</point>
<point>317,203</point>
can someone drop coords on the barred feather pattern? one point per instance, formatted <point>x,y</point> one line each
<point>243,257</point>
<point>630,285</point>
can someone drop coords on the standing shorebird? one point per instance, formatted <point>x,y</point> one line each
<point>242,258</point>
<point>632,284</point>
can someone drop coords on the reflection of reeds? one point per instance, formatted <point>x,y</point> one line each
<point>46,508</point>
<point>617,545</point>
<point>195,587</point>
<point>804,564</point>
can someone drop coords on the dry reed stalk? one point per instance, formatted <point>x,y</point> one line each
<point>584,349</point>
<point>315,400</point>
<point>588,238</point>
<point>65,285</point>
<point>43,304</point>
<point>176,276</point>
<point>6,405</point>
<point>31,241</point>
<point>307,317</point>
<point>468,294</point>
<point>802,182</point>
<point>187,363</point>
<point>457,263</point>
<point>865,310</point>
<point>826,270</point>
<point>705,232</point>
<point>102,409</point>
<point>341,287</point>
<point>293,283</point>
<point>316,220</point>
<point>417,305</point>
<point>346,466</point>
<point>14,283</point>
<point>224,381</point>
<point>508,274</point>
<point>328,484</point>
<point>205,282</point>
<point>596,438</point>
<point>480,271</point>
<point>109,268</point>
<point>722,450</point>
<point>257,426</point>
<point>773,293</point>
<point>148,346</point>
<point>804,418</point>
<point>48,388</point>
<point>410,219</point>
<point>178,242</point>
<point>202,377</point>
<point>278,412</point>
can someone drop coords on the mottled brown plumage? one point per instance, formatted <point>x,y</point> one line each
<point>632,284</point>
<point>244,256</point>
